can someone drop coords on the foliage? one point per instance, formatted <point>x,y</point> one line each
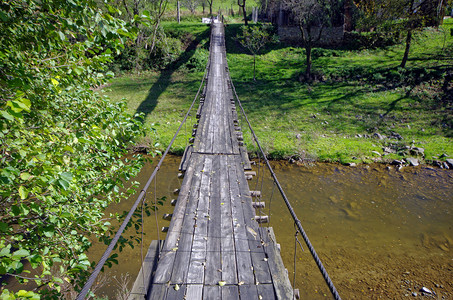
<point>312,16</point>
<point>191,5</point>
<point>400,17</point>
<point>151,41</point>
<point>61,142</point>
<point>254,38</point>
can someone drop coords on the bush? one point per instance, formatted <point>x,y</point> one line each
<point>368,40</point>
<point>62,144</point>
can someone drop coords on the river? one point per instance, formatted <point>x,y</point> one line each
<point>380,232</point>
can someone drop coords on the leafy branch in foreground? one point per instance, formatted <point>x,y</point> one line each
<point>61,143</point>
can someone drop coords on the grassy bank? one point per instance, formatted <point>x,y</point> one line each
<point>361,104</point>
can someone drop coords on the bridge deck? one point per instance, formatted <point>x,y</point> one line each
<point>214,247</point>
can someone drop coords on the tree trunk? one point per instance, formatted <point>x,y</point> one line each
<point>348,15</point>
<point>307,39</point>
<point>408,46</point>
<point>178,5</point>
<point>244,12</point>
<point>308,50</point>
<point>254,67</point>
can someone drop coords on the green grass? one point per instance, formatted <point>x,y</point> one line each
<point>358,94</point>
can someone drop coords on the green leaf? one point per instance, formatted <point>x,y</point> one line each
<point>66,175</point>
<point>25,176</point>
<point>61,35</point>
<point>3,228</point>
<point>78,70</point>
<point>6,115</point>
<point>6,251</point>
<point>69,149</point>
<point>20,253</point>
<point>15,210</point>
<point>23,192</point>
<point>54,81</point>
<point>64,184</point>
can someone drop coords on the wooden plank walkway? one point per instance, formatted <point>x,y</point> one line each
<point>214,247</point>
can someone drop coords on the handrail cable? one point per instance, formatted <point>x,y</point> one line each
<point>86,288</point>
<point>324,273</point>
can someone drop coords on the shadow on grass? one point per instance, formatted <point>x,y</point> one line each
<point>164,80</point>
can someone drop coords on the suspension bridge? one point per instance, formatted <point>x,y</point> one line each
<point>215,247</point>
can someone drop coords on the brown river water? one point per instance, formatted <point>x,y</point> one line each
<point>380,232</point>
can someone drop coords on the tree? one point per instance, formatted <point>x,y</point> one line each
<point>241,4</point>
<point>210,6</point>
<point>402,17</point>
<point>62,144</point>
<point>311,16</point>
<point>191,5</point>
<point>150,14</point>
<point>254,38</point>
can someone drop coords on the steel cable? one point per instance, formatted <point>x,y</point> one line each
<point>323,271</point>
<point>86,288</point>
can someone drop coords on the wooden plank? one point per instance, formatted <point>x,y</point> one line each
<point>230,292</point>
<point>245,159</point>
<point>183,251</point>
<point>280,280</point>
<point>243,259</point>
<point>165,266</point>
<point>260,266</point>
<point>176,291</point>
<point>248,291</point>
<point>266,292</point>
<point>199,110</point>
<point>227,124</point>
<point>185,158</point>
<point>194,292</point>
<point>232,132</point>
<point>228,259</point>
<point>216,119</point>
<point>208,133</point>
<point>197,262</point>
<point>143,280</point>
<point>212,292</point>
<point>213,265</point>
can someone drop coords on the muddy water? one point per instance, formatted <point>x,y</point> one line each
<point>381,233</point>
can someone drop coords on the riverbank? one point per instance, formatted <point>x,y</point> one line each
<point>361,108</point>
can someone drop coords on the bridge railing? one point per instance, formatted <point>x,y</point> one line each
<point>297,222</point>
<point>141,197</point>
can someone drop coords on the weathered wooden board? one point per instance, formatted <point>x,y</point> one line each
<point>185,158</point>
<point>280,280</point>
<point>141,284</point>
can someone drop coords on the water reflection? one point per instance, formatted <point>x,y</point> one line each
<point>379,232</point>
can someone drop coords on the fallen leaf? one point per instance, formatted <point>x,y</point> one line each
<point>222,283</point>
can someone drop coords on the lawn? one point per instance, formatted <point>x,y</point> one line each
<point>361,104</point>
